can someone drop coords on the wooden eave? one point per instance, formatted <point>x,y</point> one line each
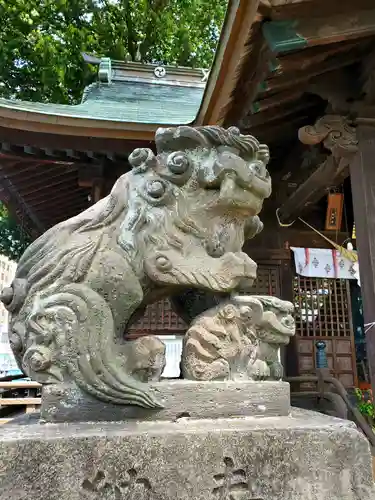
<point>231,51</point>
<point>44,185</point>
<point>47,123</point>
<point>281,82</point>
<point>42,153</point>
<point>263,90</point>
<point>41,191</point>
<point>221,82</point>
<point>275,93</point>
<point>244,59</point>
<point>268,81</point>
<point>40,141</point>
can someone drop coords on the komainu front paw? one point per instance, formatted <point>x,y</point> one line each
<point>218,370</point>
<point>196,369</point>
<point>259,370</point>
<point>277,371</point>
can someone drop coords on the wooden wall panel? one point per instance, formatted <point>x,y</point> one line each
<point>158,319</point>
<point>268,280</point>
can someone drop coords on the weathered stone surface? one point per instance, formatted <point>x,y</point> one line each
<point>302,457</point>
<point>179,398</point>
<point>177,221</point>
<point>239,339</point>
<point>221,343</point>
<point>274,330</point>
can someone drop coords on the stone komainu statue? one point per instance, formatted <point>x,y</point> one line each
<point>274,330</point>
<point>221,343</point>
<point>177,221</point>
<point>238,339</point>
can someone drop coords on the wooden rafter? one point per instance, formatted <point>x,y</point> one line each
<point>313,57</point>
<point>296,33</point>
<point>68,194</point>
<point>302,77</point>
<point>254,70</point>
<point>61,211</point>
<point>287,9</point>
<point>230,56</point>
<point>34,173</point>
<point>17,204</point>
<point>362,175</point>
<point>69,190</point>
<point>53,181</point>
<point>280,114</point>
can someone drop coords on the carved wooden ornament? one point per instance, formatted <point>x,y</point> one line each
<point>335,132</point>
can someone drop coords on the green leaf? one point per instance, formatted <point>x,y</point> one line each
<point>49,36</point>
<point>13,241</point>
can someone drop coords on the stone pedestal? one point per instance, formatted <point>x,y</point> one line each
<point>303,456</point>
<point>180,398</point>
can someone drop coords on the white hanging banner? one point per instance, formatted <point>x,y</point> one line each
<point>324,263</point>
<point>173,352</point>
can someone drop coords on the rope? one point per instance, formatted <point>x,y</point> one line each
<point>351,255</point>
<point>368,326</point>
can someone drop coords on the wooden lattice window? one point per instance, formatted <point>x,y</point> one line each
<point>323,312</point>
<point>267,281</point>
<point>159,318</point>
<point>322,307</point>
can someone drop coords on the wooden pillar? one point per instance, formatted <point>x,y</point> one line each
<point>362,174</point>
<point>290,356</point>
<point>97,190</point>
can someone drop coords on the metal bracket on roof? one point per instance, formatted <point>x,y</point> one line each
<point>105,70</point>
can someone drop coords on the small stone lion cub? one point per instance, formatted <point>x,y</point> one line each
<point>221,343</point>
<point>274,330</point>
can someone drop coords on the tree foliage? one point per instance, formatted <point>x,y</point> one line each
<point>13,240</point>
<point>41,45</point>
<point>41,41</point>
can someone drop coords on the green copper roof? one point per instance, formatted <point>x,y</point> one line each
<point>142,102</point>
<point>134,95</point>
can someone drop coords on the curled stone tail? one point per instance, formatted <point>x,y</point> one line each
<point>87,354</point>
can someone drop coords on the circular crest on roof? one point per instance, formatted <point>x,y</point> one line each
<point>160,72</point>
